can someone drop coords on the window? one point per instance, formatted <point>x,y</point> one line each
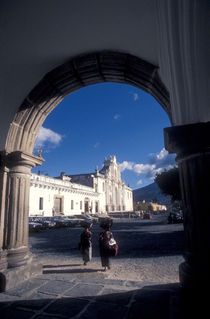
<point>72,204</point>
<point>41,200</point>
<point>81,204</point>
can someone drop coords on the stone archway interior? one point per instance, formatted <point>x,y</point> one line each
<point>77,73</point>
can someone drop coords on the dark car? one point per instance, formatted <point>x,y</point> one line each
<point>69,221</point>
<point>34,225</point>
<point>84,219</point>
<point>147,215</point>
<point>94,217</point>
<point>48,222</point>
<point>175,218</point>
<point>61,221</point>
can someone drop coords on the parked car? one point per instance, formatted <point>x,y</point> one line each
<point>34,226</point>
<point>48,222</point>
<point>84,219</point>
<point>147,215</point>
<point>175,217</point>
<point>94,217</point>
<point>76,220</point>
<point>69,221</point>
<point>61,221</point>
<point>133,215</point>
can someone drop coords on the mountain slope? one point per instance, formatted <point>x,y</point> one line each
<point>149,193</point>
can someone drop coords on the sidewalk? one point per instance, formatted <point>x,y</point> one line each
<point>88,293</point>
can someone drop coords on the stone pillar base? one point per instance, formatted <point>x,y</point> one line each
<point>12,277</point>
<point>193,277</point>
<point>18,257</point>
<point>3,260</point>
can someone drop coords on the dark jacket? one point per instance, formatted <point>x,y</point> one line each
<point>85,239</point>
<point>104,238</point>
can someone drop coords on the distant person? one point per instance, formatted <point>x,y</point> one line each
<point>106,240</point>
<point>85,244</point>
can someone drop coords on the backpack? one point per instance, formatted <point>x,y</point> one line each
<point>113,248</point>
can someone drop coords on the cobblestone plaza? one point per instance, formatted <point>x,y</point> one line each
<point>144,272</point>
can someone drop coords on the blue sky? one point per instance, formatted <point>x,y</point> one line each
<point>102,120</point>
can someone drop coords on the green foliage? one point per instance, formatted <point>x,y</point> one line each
<point>169,184</point>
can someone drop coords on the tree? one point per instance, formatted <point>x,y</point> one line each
<point>169,184</point>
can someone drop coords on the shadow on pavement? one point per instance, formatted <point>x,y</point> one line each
<point>157,301</point>
<point>58,266</point>
<point>70,271</point>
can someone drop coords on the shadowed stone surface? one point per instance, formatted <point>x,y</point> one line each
<point>86,300</point>
<point>84,290</point>
<point>104,311</point>
<point>66,307</point>
<point>55,287</point>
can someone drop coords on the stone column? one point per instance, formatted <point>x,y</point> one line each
<point>15,241</point>
<point>191,143</point>
<point>3,179</point>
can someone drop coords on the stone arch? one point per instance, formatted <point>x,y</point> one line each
<point>17,159</point>
<point>77,73</point>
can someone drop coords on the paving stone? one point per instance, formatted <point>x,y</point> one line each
<point>134,284</point>
<point>150,304</point>
<point>5,297</point>
<point>39,295</point>
<point>15,314</point>
<point>56,287</point>
<point>4,305</point>
<point>31,304</point>
<point>66,306</point>
<point>111,282</point>
<point>26,287</point>
<point>43,316</point>
<point>84,290</point>
<point>99,281</point>
<point>101,310</point>
<point>115,297</point>
<point>66,277</point>
<point>167,287</point>
<point>116,282</point>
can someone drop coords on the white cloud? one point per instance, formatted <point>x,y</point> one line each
<point>126,165</point>
<point>163,153</point>
<point>47,136</point>
<point>143,168</point>
<point>156,164</point>
<point>135,96</point>
<point>116,116</point>
<point>139,182</point>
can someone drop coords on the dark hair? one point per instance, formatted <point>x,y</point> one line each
<point>86,225</point>
<point>106,224</point>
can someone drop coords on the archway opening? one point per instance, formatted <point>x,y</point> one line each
<point>73,116</point>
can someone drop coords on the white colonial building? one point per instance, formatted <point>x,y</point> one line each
<point>99,192</point>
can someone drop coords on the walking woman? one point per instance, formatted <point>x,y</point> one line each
<point>104,238</point>
<point>86,243</point>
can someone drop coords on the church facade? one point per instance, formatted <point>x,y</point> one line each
<point>99,192</point>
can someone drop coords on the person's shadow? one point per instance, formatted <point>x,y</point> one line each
<point>53,269</point>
